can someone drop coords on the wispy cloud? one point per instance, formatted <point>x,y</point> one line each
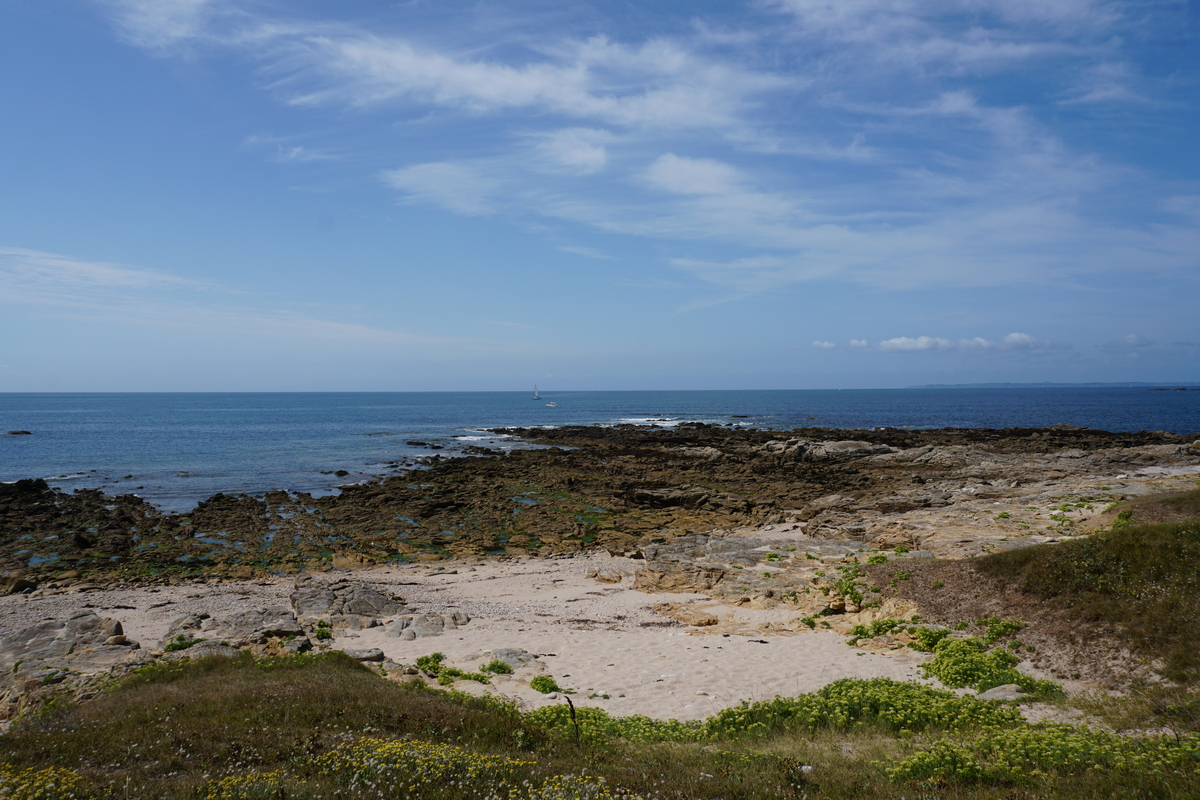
<point>1013,341</point>
<point>32,274</point>
<point>573,151</point>
<point>158,24</point>
<point>120,293</point>
<point>587,252</point>
<point>710,136</point>
<point>1130,342</point>
<point>462,188</point>
<point>824,345</point>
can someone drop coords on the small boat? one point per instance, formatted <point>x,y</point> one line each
<point>551,405</point>
<point>536,396</point>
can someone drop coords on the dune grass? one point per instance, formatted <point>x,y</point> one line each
<point>1143,579</point>
<point>325,726</point>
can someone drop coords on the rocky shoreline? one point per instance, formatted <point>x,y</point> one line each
<point>615,488</point>
<point>738,536</point>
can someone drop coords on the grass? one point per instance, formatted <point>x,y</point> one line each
<point>1142,579</point>
<point>324,726</point>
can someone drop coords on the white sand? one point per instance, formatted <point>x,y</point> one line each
<point>591,637</point>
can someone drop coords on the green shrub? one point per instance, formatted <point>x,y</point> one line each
<point>1024,754</point>
<point>959,663</point>
<point>498,667</point>
<point>544,684</point>
<point>181,642</point>
<point>431,664</point>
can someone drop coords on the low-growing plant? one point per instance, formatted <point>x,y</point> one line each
<point>878,627</point>
<point>879,558</point>
<point>969,662</point>
<point>497,667</point>
<point>49,783</point>
<point>181,642</point>
<point>544,684</point>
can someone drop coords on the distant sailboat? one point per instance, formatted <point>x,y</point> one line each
<point>536,396</point>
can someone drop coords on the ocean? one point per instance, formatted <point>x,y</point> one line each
<point>177,449</point>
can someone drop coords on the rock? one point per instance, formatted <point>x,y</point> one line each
<point>248,629</point>
<point>371,654</point>
<point>514,658</point>
<point>688,615</point>
<point>342,603</point>
<point>1195,447</point>
<point>1009,691</point>
<point>606,575</point>
<point>56,650</point>
<point>17,585</point>
<point>19,433</point>
<point>675,576</point>
<point>423,625</point>
<point>206,649</point>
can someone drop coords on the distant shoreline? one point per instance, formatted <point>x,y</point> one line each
<point>1165,387</point>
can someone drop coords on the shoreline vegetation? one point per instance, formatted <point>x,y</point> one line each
<point>1042,584</point>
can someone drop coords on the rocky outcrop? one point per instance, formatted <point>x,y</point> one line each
<point>36,660</point>
<point>419,626</point>
<point>687,615</point>
<point>342,603</point>
<point>253,628</point>
<point>611,488</point>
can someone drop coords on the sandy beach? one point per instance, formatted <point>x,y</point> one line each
<point>594,638</point>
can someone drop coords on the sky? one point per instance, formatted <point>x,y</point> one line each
<point>260,195</point>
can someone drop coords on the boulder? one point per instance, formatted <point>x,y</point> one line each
<point>247,629</point>
<point>205,649</point>
<point>606,575</point>
<point>513,657</point>
<point>419,626</point>
<point>17,585</point>
<point>1009,691</point>
<point>342,603</point>
<point>688,615</point>
<point>371,654</point>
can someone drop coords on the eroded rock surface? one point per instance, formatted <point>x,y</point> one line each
<point>35,660</point>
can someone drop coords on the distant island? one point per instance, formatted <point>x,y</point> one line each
<point>1124,385</point>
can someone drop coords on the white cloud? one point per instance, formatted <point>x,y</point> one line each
<point>1013,341</point>
<point>574,151</point>
<point>824,345</point>
<point>1130,342</point>
<point>859,344</point>
<point>461,188</point>
<point>905,344</point>
<point>102,291</point>
<point>587,252</point>
<point>683,175</point>
<point>1186,206</point>
<point>156,24</point>
<point>30,273</point>
<point>1103,83</point>
<point>674,88</point>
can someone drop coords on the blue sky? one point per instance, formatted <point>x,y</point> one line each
<point>266,195</point>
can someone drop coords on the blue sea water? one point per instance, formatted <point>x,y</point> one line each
<point>177,449</point>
